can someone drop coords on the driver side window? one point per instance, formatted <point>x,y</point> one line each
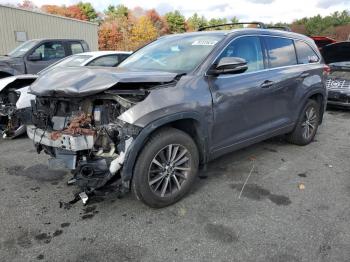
<point>248,48</point>
<point>50,51</point>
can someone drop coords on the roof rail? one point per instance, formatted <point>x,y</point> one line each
<point>284,28</point>
<point>260,24</point>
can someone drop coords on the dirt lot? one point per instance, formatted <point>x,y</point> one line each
<point>272,221</point>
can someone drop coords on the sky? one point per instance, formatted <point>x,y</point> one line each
<point>246,10</point>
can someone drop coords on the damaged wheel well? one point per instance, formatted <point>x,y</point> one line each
<point>190,126</point>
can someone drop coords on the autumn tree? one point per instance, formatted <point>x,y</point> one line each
<point>109,36</point>
<point>75,12</point>
<point>143,32</point>
<point>158,22</point>
<point>88,10</point>
<point>54,9</point>
<point>176,22</point>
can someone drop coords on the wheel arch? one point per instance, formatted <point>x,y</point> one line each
<point>189,122</point>
<point>320,97</point>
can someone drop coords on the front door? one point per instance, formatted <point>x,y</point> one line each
<point>50,53</point>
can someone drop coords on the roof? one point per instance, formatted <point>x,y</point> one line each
<point>101,53</point>
<point>46,14</point>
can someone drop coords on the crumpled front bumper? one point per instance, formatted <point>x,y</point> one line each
<point>65,142</point>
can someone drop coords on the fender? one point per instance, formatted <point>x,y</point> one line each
<point>138,143</point>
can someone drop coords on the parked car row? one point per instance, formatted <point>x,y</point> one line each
<point>168,109</point>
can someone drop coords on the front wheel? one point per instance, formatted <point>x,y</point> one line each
<point>166,168</point>
<point>307,125</point>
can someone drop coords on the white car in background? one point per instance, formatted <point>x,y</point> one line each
<point>14,96</point>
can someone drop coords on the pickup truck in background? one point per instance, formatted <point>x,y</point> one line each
<point>34,55</point>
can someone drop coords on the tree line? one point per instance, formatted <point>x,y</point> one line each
<point>121,28</point>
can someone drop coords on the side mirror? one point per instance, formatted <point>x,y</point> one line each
<point>229,65</point>
<point>35,57</point>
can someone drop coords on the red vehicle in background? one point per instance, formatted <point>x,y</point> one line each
<point>322,41</point>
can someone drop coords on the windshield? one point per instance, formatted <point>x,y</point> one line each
<point>22,48</point>
<point>179,54</point>
<point>74,60</point>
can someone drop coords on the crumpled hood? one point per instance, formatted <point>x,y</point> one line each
<point>4,82</point>
<point>83,81</point>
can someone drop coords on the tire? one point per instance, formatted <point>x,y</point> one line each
<point>156,169</point>
<point>300,136</point>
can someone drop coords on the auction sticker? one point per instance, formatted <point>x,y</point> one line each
<point>204,42</point>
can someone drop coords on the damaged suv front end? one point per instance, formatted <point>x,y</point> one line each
<point>96,121</point>
<point>80,126</point>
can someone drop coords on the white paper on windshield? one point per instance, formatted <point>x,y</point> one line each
<point>204,42</point>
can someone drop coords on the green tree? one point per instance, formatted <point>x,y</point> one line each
<point>195,22</point>
<point>88,11</point>
<point>117,11</point>
<point>176,22</point>
<point>318,25</point>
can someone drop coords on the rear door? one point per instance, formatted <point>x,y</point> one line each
<point>50,51</point>
<point>286,75</point>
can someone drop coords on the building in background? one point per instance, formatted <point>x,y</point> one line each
<point>19,25</point>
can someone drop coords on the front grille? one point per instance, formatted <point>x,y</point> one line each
<point>338,84</point>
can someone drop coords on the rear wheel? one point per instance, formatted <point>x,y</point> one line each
<point>307,124</point>
<point>166,168</point>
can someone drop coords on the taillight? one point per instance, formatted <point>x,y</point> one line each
<point>326,70</point>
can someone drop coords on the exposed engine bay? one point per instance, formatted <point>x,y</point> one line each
<point>14,104</point>
<point>85,134</point>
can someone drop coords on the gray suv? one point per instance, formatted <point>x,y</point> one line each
<point>176,104</point>
<point>34,55</point>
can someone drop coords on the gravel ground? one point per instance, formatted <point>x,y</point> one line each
<point>273,220</point>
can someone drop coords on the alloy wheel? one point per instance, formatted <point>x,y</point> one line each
<point>310,122</point>
<point>169,170</point>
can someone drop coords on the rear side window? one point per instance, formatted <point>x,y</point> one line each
<point>108,61</point>
<point>305,53</point>
<point>248,48</point>
<point>76,48</point>
<point>281,51</point>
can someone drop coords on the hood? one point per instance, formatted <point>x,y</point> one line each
<point>338,52</point>
<point>7,59</point>
<point>4,82</point>
<point>83,81</point>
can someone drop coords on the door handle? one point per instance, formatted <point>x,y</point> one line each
<point>267,84</point>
